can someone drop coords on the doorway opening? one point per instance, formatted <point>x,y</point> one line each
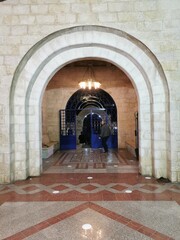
<point>82,117</point>
<point>91,125</point>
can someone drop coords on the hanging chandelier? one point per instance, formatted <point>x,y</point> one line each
<point>89,81</point>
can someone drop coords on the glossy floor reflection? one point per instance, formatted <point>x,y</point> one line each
<point>88,187</point>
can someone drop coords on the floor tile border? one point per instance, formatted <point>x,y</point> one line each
<point>130,223</point>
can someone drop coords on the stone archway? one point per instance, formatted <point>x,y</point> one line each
<point>72,44</point>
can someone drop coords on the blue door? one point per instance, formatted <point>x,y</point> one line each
<point>96,120</point>
<point>91,129</point>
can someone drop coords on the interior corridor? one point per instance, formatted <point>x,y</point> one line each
<point>85,186</point>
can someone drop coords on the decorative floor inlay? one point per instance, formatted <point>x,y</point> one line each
<point>83,159</point>
<point>99,187</point>
<point>88,188</point>
<point>82,166</point>
<point>67,187</point>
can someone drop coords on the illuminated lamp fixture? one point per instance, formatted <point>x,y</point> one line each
<point>89,80</point>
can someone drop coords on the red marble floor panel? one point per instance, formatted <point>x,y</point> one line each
<point>136,196</point>
<point>60,188</point>
<point>123,197</point>
<point>70,195</point>
<point>89,187</point>
<point>101,178</point>
<point>82,196</point>
<point>95,196</point>
<point>108,196</point>
<point>119,187</point>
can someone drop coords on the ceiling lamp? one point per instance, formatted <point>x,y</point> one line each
<point>89,80</point>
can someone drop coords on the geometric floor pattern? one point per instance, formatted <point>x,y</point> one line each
<point>90,187</point>
<point>88,158</point>
<point>102,190</point>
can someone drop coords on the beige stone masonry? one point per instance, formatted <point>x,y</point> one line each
<point>66,17</point>
<point>84,18</point>
<point>99,7</point>
<point>119,6</point>
<point>60,8</point>
<point>39,9</point>
<point>21,9</point>
<point>80,7</point>
<point>109,17</point>
<point>68,56</point>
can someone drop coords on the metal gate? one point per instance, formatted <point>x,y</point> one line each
<point>90,129</point>
<point>67,129</point>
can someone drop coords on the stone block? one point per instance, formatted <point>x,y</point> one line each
<point>170,65</point>
<point>39,9</point>
<point>80,7</point>
<point>150,26</point>
<point>11,20</point>
<point>19,30</point>
<point>145,5</point>
<point>164,5</point>
<point>21,9</point>
<point>99,7</point>
<point>126,18</point>
<point>120,6</point>
<point>49,1</point>
<point>5,10</point>
<point>108,17</point>
<point>160,145</point>
<point>11,60</point>
<point>69,1</point>
<point>85,17</point>
<point>27,20</point>
<point>159,107</point>
<point>60,8</point>
<point>43,19</point>
<point>66,18</point>
<point>159,135</point>
<point>5,30</point>
<point>179,156</point>
<point>20,175</point>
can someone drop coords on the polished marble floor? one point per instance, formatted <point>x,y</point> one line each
<point>87,194</point>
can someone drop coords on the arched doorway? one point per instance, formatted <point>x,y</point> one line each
<point>65,46</point>
<point>91,125</point>
<point>83,115</point>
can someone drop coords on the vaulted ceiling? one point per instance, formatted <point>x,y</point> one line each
<point>108,74</point>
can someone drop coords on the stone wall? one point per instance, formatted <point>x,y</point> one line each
<point>25,22</point>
